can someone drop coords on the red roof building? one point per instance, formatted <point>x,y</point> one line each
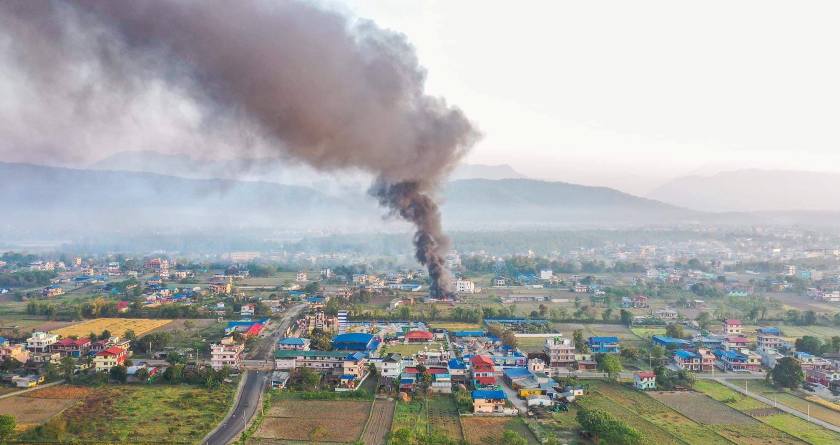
<point>254,330</point>
<point>483,372</point>
<point>419,336</point>
<point>732,327</point>
<point>122,306</point>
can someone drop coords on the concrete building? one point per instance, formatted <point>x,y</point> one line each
<point>41,341</point>
<point>228,352</point>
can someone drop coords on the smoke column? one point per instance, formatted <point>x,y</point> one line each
<point>333,92</point>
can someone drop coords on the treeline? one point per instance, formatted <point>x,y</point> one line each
<point>527,265</point>
<point>108,308</point>
<point>29,278</point>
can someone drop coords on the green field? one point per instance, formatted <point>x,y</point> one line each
<point>791,400</point>
<point>783,422</point>
<point>433,414</point>
<point>822,332</point>
<point>138,413</point>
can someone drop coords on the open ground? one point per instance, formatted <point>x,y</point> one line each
<point>116,326</point>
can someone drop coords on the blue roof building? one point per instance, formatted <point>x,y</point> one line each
<point>354,341</point>
<point>770,331</point>
<point>462,334</point>
<point>489,394</point>
<point>456,364</point>
<point>669,342</point>
<point>604,345</point>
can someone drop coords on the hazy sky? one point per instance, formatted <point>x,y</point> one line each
<point>602,92</point>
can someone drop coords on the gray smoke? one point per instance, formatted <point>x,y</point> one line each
<point>332,92</point>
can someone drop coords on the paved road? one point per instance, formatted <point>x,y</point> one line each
<point>780,406</point>
<point>248,401</point>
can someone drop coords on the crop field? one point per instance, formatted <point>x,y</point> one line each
<point>37,407</point>
<point>117,326</point>
<point>437,413</point>
<point>787,428</point>
<point>14,326</point>
<point>822,332</point>
<point>315,420</point>
<point>792,400</point>
<point>381,417</point>
<point>701,408</point>
<point>646,333</point>
<point>484,430</point>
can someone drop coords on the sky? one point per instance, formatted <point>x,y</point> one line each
<point>629,94</point>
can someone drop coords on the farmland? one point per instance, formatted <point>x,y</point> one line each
<point>792,401</point>
<point>481,430</point>
<point>701,408</point>
<point>381,416</point>
<point>434,414</point>
<point>33,408</point>
<point>455,326</point>
<point>117,326</point>
<point>304,420</point>
<point>153,413</point>
<point>794,427</point>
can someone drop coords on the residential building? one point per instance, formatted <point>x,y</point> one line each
<point>743,360</point>
<point>670,342</point>
<point>457,370</point>
<point>107,359</point>
<point>809,361</point>
<point>301,277</point>
<point>604,345</point>
<point>221,285</point>
<point>390,366</point>
<point>419,337</point>
<point>71,347</point>
<point>769,338</point>
<point>736,342</point>
<point>823,377</point>
<point>483,371</point>
<point>732,327</point>
<point>16,351</point>
<point>560,352</point>
<point>701,361</point>
<point>489,401</point>
<point>248,310</point>
<point>355,341</point>
<point>228,352</point>
<point>41,341</point>
<point>666,314</point>
<point>464,287</point>
<point>644,380</point>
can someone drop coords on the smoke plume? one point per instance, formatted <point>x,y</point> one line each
<point>313,84</point>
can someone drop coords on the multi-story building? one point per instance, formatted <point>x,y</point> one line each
<point>228,352</point>
<point>390,366</point>
<point>604,345</point>
<point>489,401</point>
<point>743,360</point>
<point>331,362</point>
<point>464,286</point>
<point>560,352</point>
<point>107,359</point>
<point>41,341</point>
<point>16,351</point>
<point>769,338</point>
<point>809,361</point>
<point>301,277</point>
<point>732,327</point>
<point>71,347</point>
<point>293,344</point>
<point>483,370</point>
<point>701,361</point>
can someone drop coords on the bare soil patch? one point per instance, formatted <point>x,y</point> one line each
<point>382,414</point>
<point>315,420</point>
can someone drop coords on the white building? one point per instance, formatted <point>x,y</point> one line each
<point>464,286</point>
<point>301,276</point>
<point>247,310</point>
<point>390,366</point>
<point>41,341</point>
<point>226,353</point>
<point>546,274</point>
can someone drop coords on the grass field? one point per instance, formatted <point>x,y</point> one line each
<point>485,430</point>
<point>455,326</point>
<point>822,332</point>
<point>792,400</point>
<point>315,420</point>
<point>138,413</point>
<point>646,333</point>
<point>701,408</point>
<point>791,425</point>
<point>117,326</point>
<point>36,407</point>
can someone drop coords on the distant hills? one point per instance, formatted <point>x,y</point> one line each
<point>754,190</point>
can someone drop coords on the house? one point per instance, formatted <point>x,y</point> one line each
<point>581,288</point>
<point>134,373</point>
<point>604,345</point>
<point>489,401</point>
<point>293,344</point>
<point>228,352</point>
<point>769,357</point>
<point>732,327</point>
<point>221,285</point>
<point>390,366</point>
<point>499,282</point>
<point>515,376</point>
<point>29,381</point>
<point>41,341</point>
<point>640,301</point>
<point>644,380</point>
<point>336,363</point>
<point>441,380</point>
<point>248,310</point>
<point>457,370</point>
<point>669,342</point>
<point>301,277</point>
<point>122,307</point>
<point>743,360</point>
<point>560,352</point>
<point>808,361</point>
<point>666,314</point>
<point>701,361</point>
<point>823,377</point>
<point>16,351</point>
<point>52,291</point>
<point>107,359</point>
<point>419,337</point>
<point>736,342</point>
<point>769,338</point>
<point>71,347</point>
<point>464,287</point>
<point>482,369</point>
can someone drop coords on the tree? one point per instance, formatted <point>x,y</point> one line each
<point>7,426</point>
<point>68,368</point>
<point>509,338</point>
<point>607,314</point>
<point>809,344</point>
<point>787,373</point>
<point>580,344</point>
<point>610,364</point>
<point>675,330</point>
<point>309,379</point>
<point>106,334</point>
<point>704,319</point>
<point>119,373</point>
<point>809,318</point>
<point>132,337</point>
<point>626,318</point>
<point>630,353</point>
<point>543,310</point>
